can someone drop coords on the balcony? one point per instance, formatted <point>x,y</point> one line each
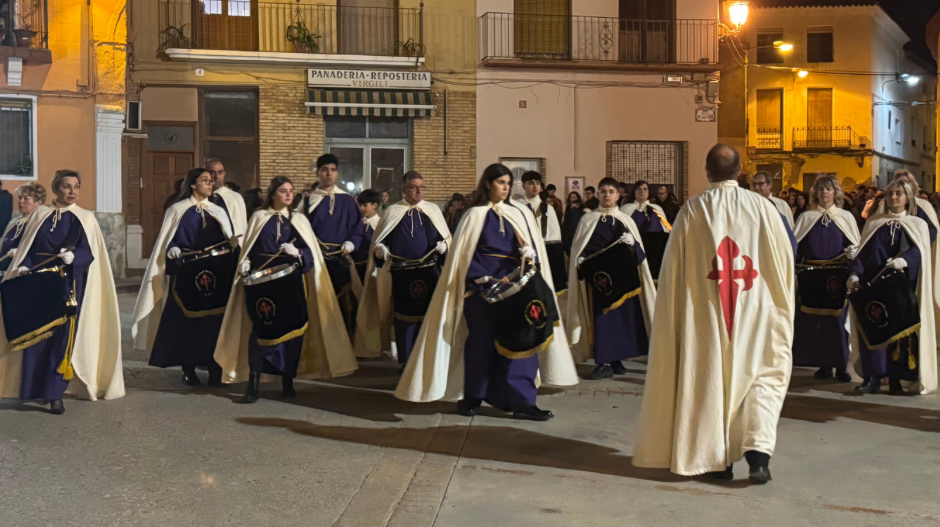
<point>827,138</point>
<point>769,139</point>
<point>24,31</point>
<point>251,31</point>
<point>608,43</point>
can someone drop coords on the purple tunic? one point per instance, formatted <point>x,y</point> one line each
<point>507,384</point>
<point>361,254</point>
<point>282,358</point>
<point>344,225</point>
<point>621,333</point>
<point>870,261</point>
<point>180,340</point>
<point>647,221</point>
<point>413,237</point>
<point>11,241</point>
<point>821,340</point>
<point>40,379</point>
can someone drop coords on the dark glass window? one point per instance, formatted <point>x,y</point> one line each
<point>347,127</point>
<point>16,122</point>
<point>229,129</point>
<point>819,46</point>
<point>766,52</point>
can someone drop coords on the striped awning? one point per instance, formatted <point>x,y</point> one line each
<point>375,103</point>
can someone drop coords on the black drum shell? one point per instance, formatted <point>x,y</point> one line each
<point>823,288</point>
<point>32,302</point>
<point>412,289</point>
<point>556,262</point>
<point>277,308</point>
<point>526,320</point>
<point>202,286</point>
<point>613,275</point>
<point>654,245</point>
<point>886,310</point>
<point>338,266</point>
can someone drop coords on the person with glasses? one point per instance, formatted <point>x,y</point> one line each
<point>230,200</point>
<point>762,183</point>
<point>411,233</point>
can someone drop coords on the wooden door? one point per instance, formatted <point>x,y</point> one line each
<point>161,171</point>
<point>542,28</point>
<point>770,119</point>
<point>819,117</point>
<point>226,24</point>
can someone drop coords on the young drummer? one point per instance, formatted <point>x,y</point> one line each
<point>369,202</point>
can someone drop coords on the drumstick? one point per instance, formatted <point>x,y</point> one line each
<point>414,261</point>
<point>44,262</point>
<point>271,259</point>
<point>207,249</point>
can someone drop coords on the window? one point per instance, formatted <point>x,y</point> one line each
<point>373,152</point>
<point>766,52</point>
<point>819,45</point>
<point>542,27</point>
<point>658,163</point>
<point>770,119</point>
<point>230,132</point>
<point>18,135</point>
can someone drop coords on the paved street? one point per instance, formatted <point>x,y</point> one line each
<point>347,453</point>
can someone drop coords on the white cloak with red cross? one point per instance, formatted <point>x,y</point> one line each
<point>720,359</point>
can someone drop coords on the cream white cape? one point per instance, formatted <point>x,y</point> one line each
<point>153,294</point>
<point>841,217</point>
<point>435,369</point>
<point>916,229</point>
<point>317,197</point>
<point>326,349</point>
<point>375,317</point>
<point>579,304</point>
<point>235,204</point>
<point>553,227</point>
<point>714,390</point>
<point>784,208</point>
<point>96,356</point>
<point>630,208</point>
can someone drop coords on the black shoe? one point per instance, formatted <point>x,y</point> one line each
<point>254,384</point>
<point>532,413</point>
<point>759,463</point>
<point>604,371</point>
<point>190,378</point>
<point>215,375</point>
<point>56,407</point>
<point>870,385</point>
<point>725,475</point>
<point>287,387</point>
<point>617,368</point>
<point>467,407</point>
<point>894,387</point>
<point>843,376</point>
<point>823,373</point>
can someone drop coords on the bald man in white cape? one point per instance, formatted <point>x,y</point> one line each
<point>720,357</point>
<point>436,368</point>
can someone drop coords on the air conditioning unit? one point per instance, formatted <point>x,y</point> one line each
<point>133,118</point>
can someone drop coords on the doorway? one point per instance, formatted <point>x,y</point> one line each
<point>373,152</point>
<point>647,31</point>
<point>367,27</point>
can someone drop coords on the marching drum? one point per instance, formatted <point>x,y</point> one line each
<point>526,310</point>
<point>337,265</point>
<point>34,305</point>
<point>556,261</point>
<point>822,289</point>
<point>202,282</point>
<point>654,244</point>
<point>413,283</point>
<point>612,275</point>
<point>276,301</point>
<point>886,309</point>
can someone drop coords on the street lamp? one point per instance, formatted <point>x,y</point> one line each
<point>737,12</point>
<point>802,73</point>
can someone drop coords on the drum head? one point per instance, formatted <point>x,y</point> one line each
<point>887,310</point>
<point>271,273</point>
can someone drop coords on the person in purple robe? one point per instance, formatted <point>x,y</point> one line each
<point>504,383</point>
<point>60,240</point>
<point>828,236</point>
<point>890,247</point>
<point>369,201</point>
<point>336,220</point>
<point>648,216</point>
<point>278,243</point>
<point>182,339</point>
<point>414,237</point>
<point>28,197</point>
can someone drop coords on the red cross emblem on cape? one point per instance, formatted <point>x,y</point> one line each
<point>728,276</point>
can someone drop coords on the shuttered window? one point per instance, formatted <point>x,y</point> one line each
<point>16,137</point>
<point>766,52</point>
<point>819,108</point>
<point>819,47</point>
<point>770,119</point>
<point>542,28</point>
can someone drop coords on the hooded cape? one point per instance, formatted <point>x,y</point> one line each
<point>235,204</point>
<point>153,294</point>
<point>720,357</point>
<point>375,318</point>
<point>927,295</point>
<point>326,350</point>
<point>630,208</point>
<point>579,305</point>
<point>96,356</point>
<point>435,369</point>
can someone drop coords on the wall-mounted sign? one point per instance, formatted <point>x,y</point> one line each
<point>369,79</point>
<point>706,115</point>
<point>573,184</point>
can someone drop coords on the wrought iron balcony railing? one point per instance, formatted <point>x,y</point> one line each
<point>838,137</point>
<point>25,24</point>
<point>244,25</point>
<point>589,38</point>
<point>769,139</point>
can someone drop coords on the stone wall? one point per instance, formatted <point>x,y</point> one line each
<point>289,138</point>
<point>452,167</point>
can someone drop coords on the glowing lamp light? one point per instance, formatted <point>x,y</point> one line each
<point>350,186</point>
<point>802,73</point>
<point>783,46</point>
<point>911,79</point>
<point>737,12</point>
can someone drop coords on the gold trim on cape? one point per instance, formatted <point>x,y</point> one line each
<point>524,354</point>
<point>280,340</point>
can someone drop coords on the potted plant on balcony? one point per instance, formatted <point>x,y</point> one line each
<point>24,32</point>
<point>304,40</point>
<point>409,48</point>
<point>175,37</point>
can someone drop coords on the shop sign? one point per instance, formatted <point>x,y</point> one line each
<point>369,79</point>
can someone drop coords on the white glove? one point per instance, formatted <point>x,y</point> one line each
<point>852,283</point>
<point>381,251</point>
<point>851,252</point>
<point>897,263</point>
<point>580,261</point>
<point>628,239</point>
<point>67,256</point>
<point>441,248</point>
<point>290,250</point>
<point>527,253</point>
<point>19,271</point>
<point>173,253</point>
<point>245,266</point>
<point>348,247</point>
